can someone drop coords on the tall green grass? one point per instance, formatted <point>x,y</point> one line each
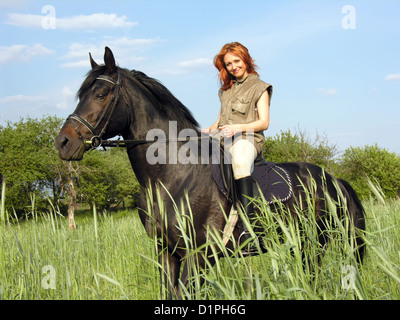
<point>109,256</point>
<point>101,259</point>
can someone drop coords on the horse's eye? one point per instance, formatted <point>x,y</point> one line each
<point>100,96</point>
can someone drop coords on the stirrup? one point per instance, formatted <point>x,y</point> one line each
<point>250,248</point>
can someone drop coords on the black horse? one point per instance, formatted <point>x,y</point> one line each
<point>115,101</point>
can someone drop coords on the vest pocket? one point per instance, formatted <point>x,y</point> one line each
<point>240,105</point>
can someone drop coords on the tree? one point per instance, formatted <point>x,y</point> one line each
<point>27,159</point>
<point>357,165</point>
<point>31,167</point>
<point>288,147</point>
<point>107,178</point>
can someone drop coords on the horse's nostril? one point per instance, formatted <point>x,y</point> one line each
<point>62,142</point>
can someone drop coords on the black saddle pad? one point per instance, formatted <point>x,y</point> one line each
<point>273,181</point>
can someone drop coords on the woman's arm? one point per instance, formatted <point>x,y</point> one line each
<point>259,125</point>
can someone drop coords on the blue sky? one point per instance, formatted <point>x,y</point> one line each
<point>334,65</point>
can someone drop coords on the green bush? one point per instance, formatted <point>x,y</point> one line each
<point>28,160</point>
<point>357,165</point>
<point>34,173</point>
<point>107,178</point>
<point>289,147</point>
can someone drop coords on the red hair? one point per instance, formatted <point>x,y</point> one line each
<point>237,49</point>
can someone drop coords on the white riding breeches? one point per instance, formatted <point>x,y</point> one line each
<point>243,155</point>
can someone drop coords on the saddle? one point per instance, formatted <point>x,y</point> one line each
<point>273,181</point>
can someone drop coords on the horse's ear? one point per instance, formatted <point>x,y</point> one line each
<point>109,60</point>
<point>92,62</point>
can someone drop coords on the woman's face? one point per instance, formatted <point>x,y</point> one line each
<point>235,66</point>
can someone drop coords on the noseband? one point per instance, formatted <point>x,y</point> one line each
<point>96,140</point>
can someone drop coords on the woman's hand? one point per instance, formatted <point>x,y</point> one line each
<point>209,130</point>
<point>230,130</point>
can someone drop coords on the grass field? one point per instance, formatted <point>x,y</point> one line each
<point>109,256</point>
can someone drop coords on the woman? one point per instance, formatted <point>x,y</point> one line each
<point>243,117</point>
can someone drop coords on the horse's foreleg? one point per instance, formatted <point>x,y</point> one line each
<point>191,278</point>
<point>169,274</point>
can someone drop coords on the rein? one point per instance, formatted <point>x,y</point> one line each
<point>124,143</point>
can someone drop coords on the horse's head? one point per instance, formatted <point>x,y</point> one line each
<point>94,118</point>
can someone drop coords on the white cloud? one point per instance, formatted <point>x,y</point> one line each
<point>12,108</point>
<point>328,92</point>
<point>24,20</point>
<point>81,22</point>
<point>129,42</point>
<point>94,21</point>
<point>21,100</point>
<point>20,52</point>
<point>395,76</point>
<point>67,99</point>
<point>77,64</point>
<point>58,102</point>
<point>80,50</point>
<point>11,4</point>
<point>125,49</point>
<point>188,66</point>
<point>194,63</point>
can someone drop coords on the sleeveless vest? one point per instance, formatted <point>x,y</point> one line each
<point>239,105</point>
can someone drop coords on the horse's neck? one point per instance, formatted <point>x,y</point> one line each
<point>168,173</point>
<point>154,128</point>
<point>168,161</point>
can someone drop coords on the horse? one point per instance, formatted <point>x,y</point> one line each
<point>114,101</point>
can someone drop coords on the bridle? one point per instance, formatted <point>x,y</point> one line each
<point>96,140</point>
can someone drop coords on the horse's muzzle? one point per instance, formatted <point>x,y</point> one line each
<point>69,148</point>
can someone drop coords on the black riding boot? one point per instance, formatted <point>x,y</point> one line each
<point>245,190</point>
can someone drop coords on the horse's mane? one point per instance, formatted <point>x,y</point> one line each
<point>162,99</point>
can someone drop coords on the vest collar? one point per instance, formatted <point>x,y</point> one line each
<point>237,82</point>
